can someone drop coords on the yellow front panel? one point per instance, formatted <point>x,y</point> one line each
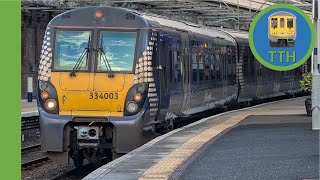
<point>90,94</point>
<point>91,113</point>
<point>282,32</point>
<point>85,113</point>
<point>114,84</point>
<point>80,82</point>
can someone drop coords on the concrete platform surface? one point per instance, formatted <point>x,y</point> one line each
<point>29,108</point>
<point>260,151</point>
<point>169,156</point>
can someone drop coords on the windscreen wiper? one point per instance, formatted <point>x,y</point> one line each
<point>83,56</point>
<point>104,58</point>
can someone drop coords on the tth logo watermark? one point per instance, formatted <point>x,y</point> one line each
<point>282,37</point>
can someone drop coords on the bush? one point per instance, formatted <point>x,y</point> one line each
<point>306,82</point>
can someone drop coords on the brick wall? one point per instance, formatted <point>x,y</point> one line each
<point>33,28</point>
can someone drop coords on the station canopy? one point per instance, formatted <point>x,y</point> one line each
<point>231,14</point>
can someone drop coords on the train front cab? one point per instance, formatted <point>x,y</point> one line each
<point>282,29</point>
<point>92,89</point>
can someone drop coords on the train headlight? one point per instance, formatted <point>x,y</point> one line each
<point>132,106</point>
<point>137,97</point>
<point>98,14</point>
<point>44,95</point>
<point>48,98</point>
<point>51,104</point>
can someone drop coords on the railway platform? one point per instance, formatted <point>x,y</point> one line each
<point>29,109</point>
<point>269,141</point>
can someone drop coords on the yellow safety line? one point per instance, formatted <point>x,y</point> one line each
<point>163,169</point>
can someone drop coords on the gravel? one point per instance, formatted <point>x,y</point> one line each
<point>57,164</point>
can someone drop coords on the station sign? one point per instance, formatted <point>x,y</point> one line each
<point>282,37</point>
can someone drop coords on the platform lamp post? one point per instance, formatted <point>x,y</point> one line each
<point>316,68</point>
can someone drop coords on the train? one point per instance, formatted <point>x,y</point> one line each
<point>282,29</point>
<point>111,78</point>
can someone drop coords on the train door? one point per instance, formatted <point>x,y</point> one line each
<point>176,88</point>
<point>163,74</point>
<point>260,83</point>
<point>232,73</point>
<point>224,64</point>
<point>185,72</point>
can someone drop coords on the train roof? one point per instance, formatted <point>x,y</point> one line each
<point>227,34</point>
<point>237,34</point>
<point>83,17</point>
<point>282,13</point>
<point>188,26</point>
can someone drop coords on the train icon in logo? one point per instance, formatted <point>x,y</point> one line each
<point>282,29</point>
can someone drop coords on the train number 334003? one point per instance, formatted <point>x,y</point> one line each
<point>103,95</point>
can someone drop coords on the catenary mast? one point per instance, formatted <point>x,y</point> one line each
<point>316,69</point>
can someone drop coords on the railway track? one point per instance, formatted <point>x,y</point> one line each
<point>79,173</point>
<point>35,161</point>
<point>31,148</point>
<point>31,122</point>
<point>76,173</point>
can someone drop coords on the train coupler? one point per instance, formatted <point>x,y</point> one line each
<point>88,136</point>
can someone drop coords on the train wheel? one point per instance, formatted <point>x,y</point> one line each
<point>97,161</point>
<point>77,157</point>
<point>273,44</point>
<point>93,156</point>
<point>290,44</point>
<point>96,158</point>
<point>282,43</point>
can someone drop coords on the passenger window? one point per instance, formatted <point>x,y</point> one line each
<point>245,53</point>
<point>290,23</point>
<point>218,69</point>
<point>207,63</point>
<point>177,67</point>
<point>194,67</point>
<point>246,65</point>
<point>234,61</point>
<point>224,66</point>
<point>171,61</point>
<point>201,68</point>
<point>281,22</point>
<point>274,22</point>
<point>252,66</point>
<point>212,66</point>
